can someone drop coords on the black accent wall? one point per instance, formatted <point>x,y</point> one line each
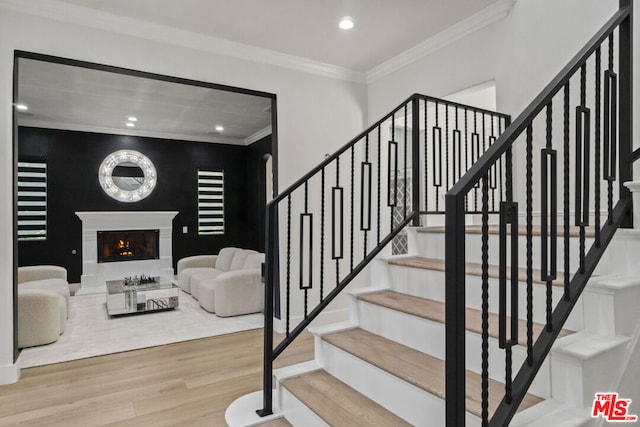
<point>73,159</point>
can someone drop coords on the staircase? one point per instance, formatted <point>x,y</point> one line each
<point>501,317</point>
<point>385,366</point>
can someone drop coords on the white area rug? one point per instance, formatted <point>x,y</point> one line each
<point>91,332</point>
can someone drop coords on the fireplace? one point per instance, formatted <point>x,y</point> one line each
<point>95,274</point>
<point>127,245</point>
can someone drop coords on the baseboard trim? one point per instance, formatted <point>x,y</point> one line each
<point>10,374</point>
<point>324,318</point>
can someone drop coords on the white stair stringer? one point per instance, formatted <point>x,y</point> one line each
<point>429,284</point>
<point>428,337</point>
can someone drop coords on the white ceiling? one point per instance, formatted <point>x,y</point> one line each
<point>69,97</point>
<point>66,97</point>
<point>306,28</point>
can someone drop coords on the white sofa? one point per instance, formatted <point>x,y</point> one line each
<point>43,304</point>
<point>227,284</point>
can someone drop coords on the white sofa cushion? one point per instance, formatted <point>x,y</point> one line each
<point>253,261</point>
<point>185,276</point>
<point>239,259</point>
<point>197,279</point>
<point>225,258</point>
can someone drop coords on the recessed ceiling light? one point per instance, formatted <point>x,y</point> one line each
<point>131,125</point>
<point>219,128</point>
<point>22,107</point>
<point>346,23</point>
<point>132,119</point>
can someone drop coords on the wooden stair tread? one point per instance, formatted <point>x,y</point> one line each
<point>337,403</point>
<point>522,230</point>
<point>417,368</point>
<point>472,268</point>
<point>435,311</point>
<point>278,422</point>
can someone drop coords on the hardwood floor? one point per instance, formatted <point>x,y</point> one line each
<point>189,383</point>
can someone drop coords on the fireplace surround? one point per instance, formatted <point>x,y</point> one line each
<point>95,273</point>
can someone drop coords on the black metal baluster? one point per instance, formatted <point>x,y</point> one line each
<point>365,196</point>
<point>549,212</point>
<point>322,203</point>
<point>446,147</point>
<point>529,176</point>
<point>583,118</point>
<point>610,128</point>
<point>436,140</point>
<point>404,172</point>
<point>306,252</point>
<point>485,300</point>
<point>466,155</point>
<point>288,314</point>
<point>597,148</point>
<point>455,140</point>
<point>493,184</point>
<point>457,151</point>
<point>508,216</point>
<point>392,160</point>
<point>500,167</point>
<point>475,155</point>
<point>426,160</point>
<point>337,217</point>
<point>379,167</point>
<point>351,212</point>
<point>567,290</point>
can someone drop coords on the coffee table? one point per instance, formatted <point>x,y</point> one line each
<point>141,298</point>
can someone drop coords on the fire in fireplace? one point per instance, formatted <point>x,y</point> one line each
<point>128,245</point>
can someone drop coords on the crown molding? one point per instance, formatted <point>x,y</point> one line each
<point>81,15</point>
<point>258,136</point>
<point>485,17</point>
<point>129,132</point>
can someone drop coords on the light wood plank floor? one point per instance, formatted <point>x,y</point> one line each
<point>189,383</point>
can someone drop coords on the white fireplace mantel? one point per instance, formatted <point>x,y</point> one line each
<point>95,274</point>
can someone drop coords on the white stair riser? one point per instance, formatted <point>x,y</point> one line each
<point>429,337</point>
<point>296,412</point>
<point>610,310</point>
<point>416,406</point>
<point>432,245</point>
<point>575,380</point>
<point>429,284</point>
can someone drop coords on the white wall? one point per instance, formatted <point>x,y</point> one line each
<point>316,114</point>
<point>521,53</point>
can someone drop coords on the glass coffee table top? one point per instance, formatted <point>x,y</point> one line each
<point>127,297</point>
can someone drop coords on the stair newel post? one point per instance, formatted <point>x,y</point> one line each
<point>415,159</point>
<point>269,269</point>
<point>455,309</point>
<point>625,94</point>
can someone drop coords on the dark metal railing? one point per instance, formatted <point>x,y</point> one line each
<point>584,118</point>
<point>324,229</point>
